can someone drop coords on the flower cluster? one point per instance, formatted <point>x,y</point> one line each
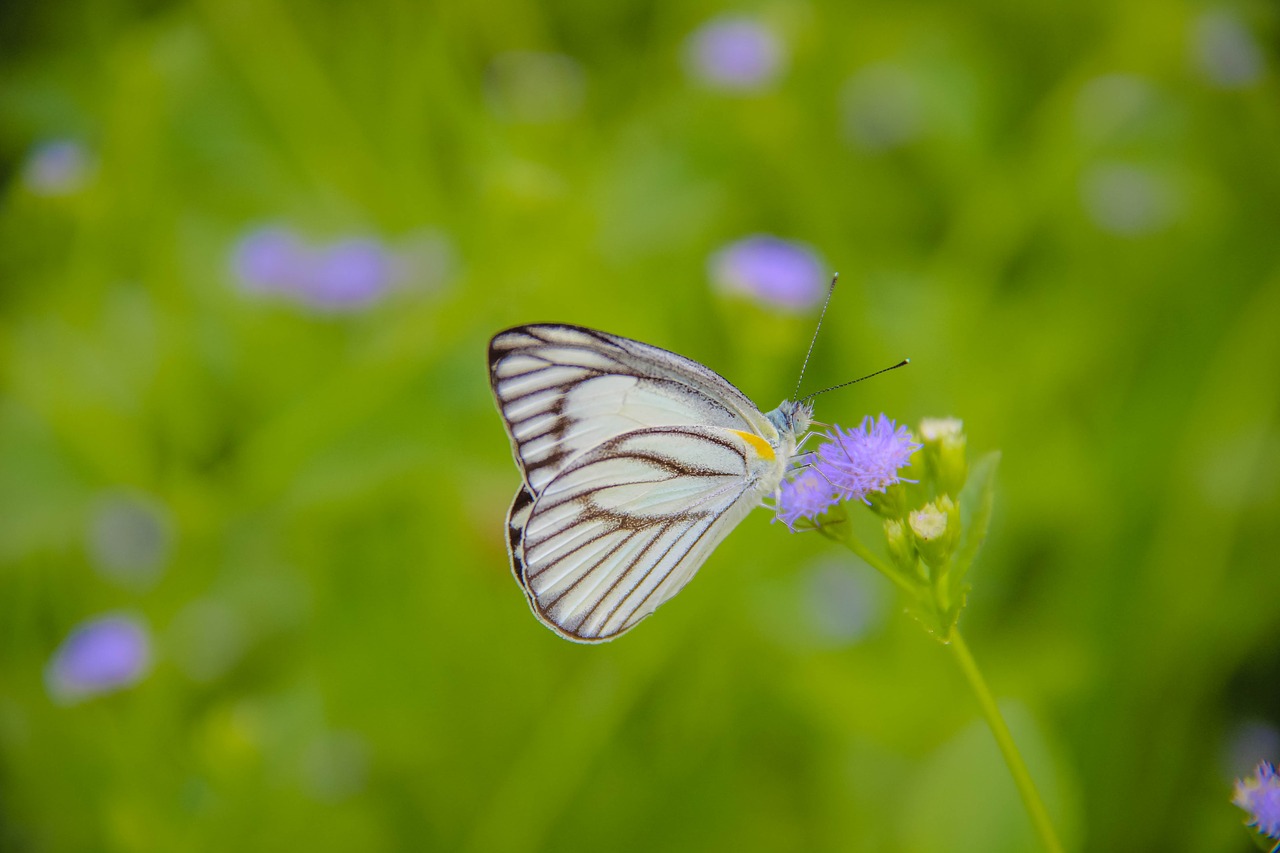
<point>850,465</point>
<point>917,497</point>
<point>1259,795</point>
<point>928,545</point>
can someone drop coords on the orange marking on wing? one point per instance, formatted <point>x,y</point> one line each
<point>761,446</point>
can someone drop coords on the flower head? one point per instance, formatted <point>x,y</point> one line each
<point>944,453</point>
<point>866,459</point>
<point>734,52</point>
<point>348,275</point>
<point>100,656</point>
<point>270,260</point>
<point>928,523</point>
<point>902,549</point>
<point>805,494</point>
<point>772,271</point>
<point>936,530</point>
<point>938,429</point>
<point>1260,797</point>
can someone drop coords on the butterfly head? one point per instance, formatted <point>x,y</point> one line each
<point>792,417</point>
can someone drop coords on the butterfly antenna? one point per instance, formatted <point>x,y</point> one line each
<point>902,363</point>
<point>830,292</point>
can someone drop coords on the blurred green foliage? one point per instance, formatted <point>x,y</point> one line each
<point>1076,244</point>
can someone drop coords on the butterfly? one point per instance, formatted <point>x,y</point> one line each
<point>636,464</point>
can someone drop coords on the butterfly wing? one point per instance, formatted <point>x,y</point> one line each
<point>625,525</point>
<point>563,390</point>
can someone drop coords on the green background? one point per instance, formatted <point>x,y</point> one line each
<point>336,484</point>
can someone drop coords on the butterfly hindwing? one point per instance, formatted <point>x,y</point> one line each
<point>626,525</point>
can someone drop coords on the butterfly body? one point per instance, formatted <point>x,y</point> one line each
<point>636,462</point>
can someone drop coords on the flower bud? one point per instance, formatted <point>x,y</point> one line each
<point>901,549</point>
<point>944,446</point>
<point>936,530</point>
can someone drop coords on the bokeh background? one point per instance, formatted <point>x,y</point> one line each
<point>253,587</point>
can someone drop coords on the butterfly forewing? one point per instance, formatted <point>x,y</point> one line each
<point>563,390</point>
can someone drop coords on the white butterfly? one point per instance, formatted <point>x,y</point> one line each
<point>637,462</point>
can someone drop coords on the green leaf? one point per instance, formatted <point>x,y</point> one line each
<point>976,502</point>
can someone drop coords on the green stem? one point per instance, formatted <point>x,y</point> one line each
<point>1021,777</point>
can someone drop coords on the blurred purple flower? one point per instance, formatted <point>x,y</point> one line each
<point>56,167</point>
<point>130,536</point>
<point>1259,795</point>
<point>1225,49</point>
<point>770,270</point>
<point>348,275</point>
<point>865,459</point>
<point>100,656</point>
<point>270,260</point>
<point>734,52</point>
<point>805,494</point>
<point>1128,200</point>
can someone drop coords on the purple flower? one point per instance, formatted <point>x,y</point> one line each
<point>734,52</point>
<point>270,260</point>
<point>865,459</point>
<point>348,275</point>
<point>1260,797</point>
<point>100,656</point>
<point>805,494</point>
<point>772,271</point>
<point>56,167</point>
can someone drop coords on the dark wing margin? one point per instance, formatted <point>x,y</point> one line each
<point>626,525</point>
<point>517,517</point>
<point>562,390</point>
